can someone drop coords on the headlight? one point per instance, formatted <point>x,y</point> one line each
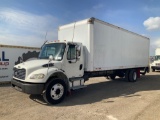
<point>37,76</point>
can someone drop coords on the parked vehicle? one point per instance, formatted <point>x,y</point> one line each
<point>13,55</point>
<point>85,49</point>
<point>156,64</point>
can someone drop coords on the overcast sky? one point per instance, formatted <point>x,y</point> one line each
<point>25,22</point>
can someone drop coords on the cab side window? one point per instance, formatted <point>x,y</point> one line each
<point>71,52</point>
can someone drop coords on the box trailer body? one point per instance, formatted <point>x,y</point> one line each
<point>107,47</point>
<point>13,55</point>
<point>85,49</point>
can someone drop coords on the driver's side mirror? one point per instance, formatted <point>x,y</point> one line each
<point>50,58</point>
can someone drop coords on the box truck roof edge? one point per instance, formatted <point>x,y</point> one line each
<point>91,21</point>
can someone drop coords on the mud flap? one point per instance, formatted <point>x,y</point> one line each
<point>138,73</point>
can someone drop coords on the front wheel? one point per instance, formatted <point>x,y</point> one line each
<point>153,70</point>
<point>55,91</point>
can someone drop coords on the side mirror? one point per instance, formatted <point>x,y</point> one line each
<point>78,48</point>
<point>50,58</point>
<point>78,52</point>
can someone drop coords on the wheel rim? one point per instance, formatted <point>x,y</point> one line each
<point>134,76</point>
<point>57,91</point>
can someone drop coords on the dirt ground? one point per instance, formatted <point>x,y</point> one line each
<point>102,99</point>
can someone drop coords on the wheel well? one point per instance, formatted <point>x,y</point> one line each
<point>59,75</point>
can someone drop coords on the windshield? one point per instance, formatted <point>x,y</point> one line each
<point>54,49</point>
<point>157,57</point>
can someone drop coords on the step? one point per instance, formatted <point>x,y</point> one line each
<point>78,87</point>
<point>75,79</point>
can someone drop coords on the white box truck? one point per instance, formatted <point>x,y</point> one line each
<point>12,55</point>
<point>156,64</point>
<point>85,49</point>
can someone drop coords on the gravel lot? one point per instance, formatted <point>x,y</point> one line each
<point>102,99</point>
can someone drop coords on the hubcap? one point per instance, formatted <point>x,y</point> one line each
<point>57,91</point>
<point>134,76</point>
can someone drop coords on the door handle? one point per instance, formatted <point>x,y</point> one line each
<point>80,67</point>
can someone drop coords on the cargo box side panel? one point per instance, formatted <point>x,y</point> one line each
<point>116,48</point>
<point>82,35</point>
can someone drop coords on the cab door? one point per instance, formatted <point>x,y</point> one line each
<point>74,62</point>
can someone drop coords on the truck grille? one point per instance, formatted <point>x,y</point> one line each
<point>19,73</point>
<point>157,64</point>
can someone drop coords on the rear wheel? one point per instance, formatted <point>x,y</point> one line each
<point>133,76</point>
<point>55,91</point>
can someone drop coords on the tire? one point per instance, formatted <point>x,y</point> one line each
<point>55,91</point>
<point>133,76</point>
<point>153,70</point>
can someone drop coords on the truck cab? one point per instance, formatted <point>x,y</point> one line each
<point>59,68</point>
<point>156,64</point>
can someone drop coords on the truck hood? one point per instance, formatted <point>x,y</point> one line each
<point>36,67</point>
<point>157,62</point>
